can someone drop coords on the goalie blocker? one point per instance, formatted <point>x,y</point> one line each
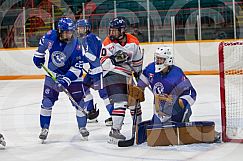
<point>175,133</point>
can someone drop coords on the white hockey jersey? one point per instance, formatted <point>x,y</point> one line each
<point>131,47</point>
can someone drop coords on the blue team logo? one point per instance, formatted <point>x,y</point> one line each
<point>158,88</point>
<point>47,90</point>
<point>58,58</point>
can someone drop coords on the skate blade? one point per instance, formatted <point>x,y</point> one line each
<point>112,140</point>
<point>108,124</point>
<point>93,121</point>
<point>43,141</point>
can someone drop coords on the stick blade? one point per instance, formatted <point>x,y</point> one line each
<point>126,143</point>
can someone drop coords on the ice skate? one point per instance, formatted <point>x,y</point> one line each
<point>85,133</point>
<point>108,122</point>
<point>2,141</point>
<point>43,134</point>
<point>115,136</point>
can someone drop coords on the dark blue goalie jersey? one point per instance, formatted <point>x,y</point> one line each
<point>173,83</point>
<point>64,58</point>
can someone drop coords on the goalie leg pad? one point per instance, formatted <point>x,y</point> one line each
<point>141,134</point>
<point>181,133</point>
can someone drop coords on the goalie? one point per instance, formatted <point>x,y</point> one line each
<point>173,93</point>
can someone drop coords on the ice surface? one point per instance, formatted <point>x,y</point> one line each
<point>19,123</point>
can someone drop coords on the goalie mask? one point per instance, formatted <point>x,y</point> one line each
<point>163,57</point>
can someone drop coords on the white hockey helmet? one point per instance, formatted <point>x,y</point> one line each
<point>166,53</point>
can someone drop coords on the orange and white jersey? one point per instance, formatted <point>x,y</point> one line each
<point>131,47</point>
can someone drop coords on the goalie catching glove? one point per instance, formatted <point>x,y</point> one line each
<point>134,94</point>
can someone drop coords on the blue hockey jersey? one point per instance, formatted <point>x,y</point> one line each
<point>92,47</point>
<point>64,58</point>
<point>174,83</point>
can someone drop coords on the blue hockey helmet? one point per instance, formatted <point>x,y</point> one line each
<point>120,24</point>
<point>66,24</point>
<point>66,28</point>
<point>83,27</point>
<point>83,23</point>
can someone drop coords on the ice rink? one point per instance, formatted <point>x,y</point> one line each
<point>19,123</point>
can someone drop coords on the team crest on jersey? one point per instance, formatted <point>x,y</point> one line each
<point>158,88</point>
<point>47,90</point>
<point>58,58</point>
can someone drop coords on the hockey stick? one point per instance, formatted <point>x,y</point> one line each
<point>90,116</point>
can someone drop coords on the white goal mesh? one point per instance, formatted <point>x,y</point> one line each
<point>231,88</point>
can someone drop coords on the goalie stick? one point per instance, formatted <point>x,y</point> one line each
<point>89,115</point>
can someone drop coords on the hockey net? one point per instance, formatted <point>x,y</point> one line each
<point>231,90</point>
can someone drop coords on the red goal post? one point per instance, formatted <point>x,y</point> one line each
<point>231,90</point>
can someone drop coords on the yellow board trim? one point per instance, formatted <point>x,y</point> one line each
<point>21,77</point>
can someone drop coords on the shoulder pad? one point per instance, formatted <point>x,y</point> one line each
<point>51,34</point>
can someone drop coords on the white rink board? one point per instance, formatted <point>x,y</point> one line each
<point>189,56</point>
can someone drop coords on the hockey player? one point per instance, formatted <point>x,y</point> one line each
<point>92,46</point>
<point>66,63</point>
<point>121,54</point>
<point>2,141</point>
<point>173,93</point>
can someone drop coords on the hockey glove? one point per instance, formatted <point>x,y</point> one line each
<point>162,98</point>
<point>38,61</point>
<point>119,57</point>
<point>61,85</point>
